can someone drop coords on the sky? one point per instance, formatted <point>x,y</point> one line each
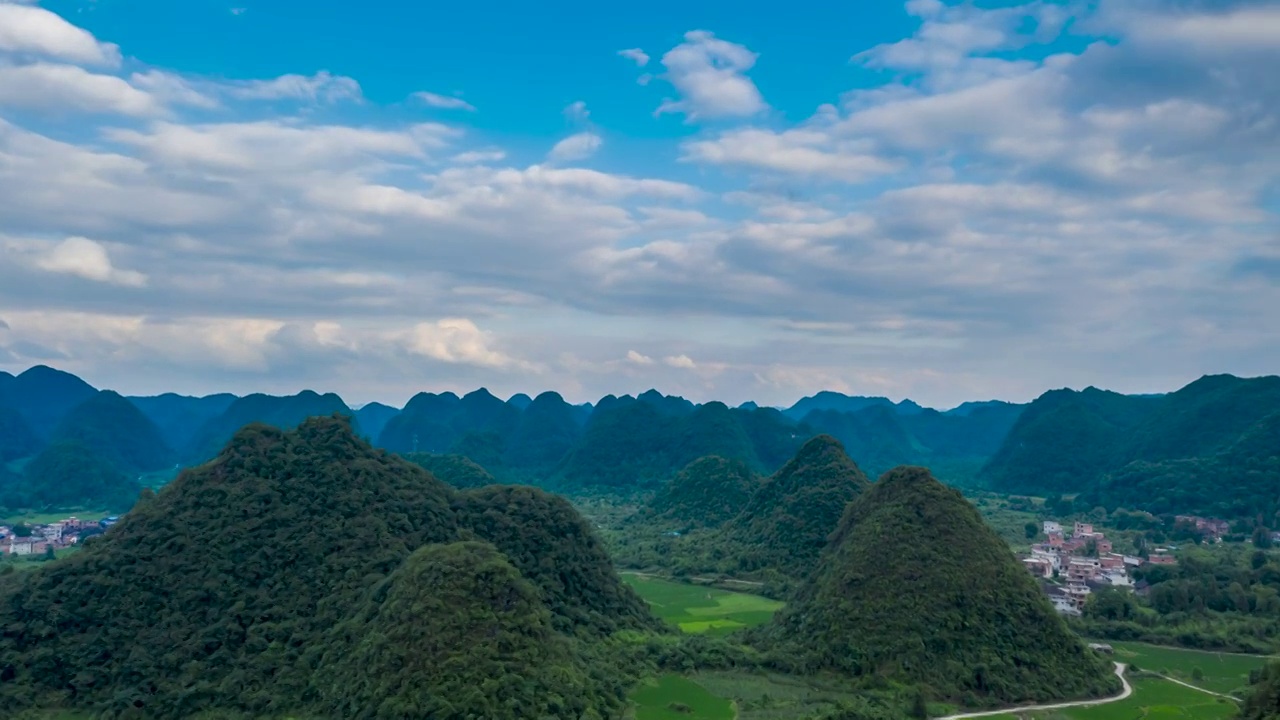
<point>935,200</point>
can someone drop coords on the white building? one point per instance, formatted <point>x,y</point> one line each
<point>1051,527</point>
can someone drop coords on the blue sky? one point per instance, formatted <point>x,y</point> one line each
<point>945,201</point>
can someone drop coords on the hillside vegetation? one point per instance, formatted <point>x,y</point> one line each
<point>223,591</point>
<point>1211,448</point>
<point>915,587</point>
<point>707,493</point>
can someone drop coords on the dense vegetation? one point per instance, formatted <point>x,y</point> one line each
<point>17,439</point>
<point>1223,598</point>
<point>455,632</point>
<point>1211,448</point>
<point>1263,701</point>
<point>70,474</point>
<point>116,430</point>
<point>914,586</point>
<point>786,523</point>
<point>221,591</point>
<point>457,470</point>
<point>707,493</point>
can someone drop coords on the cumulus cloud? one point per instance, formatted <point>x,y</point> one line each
<point>576,147</point>
<point>680,361</point>
<point>444,102</point>
<point>636,55</point>
<point>55,87</point>
<point>34,31</point>
<point>458,340</point>
<point>1104,212</point>
<point>710,75</point>
<point>87,259</point>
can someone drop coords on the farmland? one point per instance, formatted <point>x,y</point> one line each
<point>699,609</point>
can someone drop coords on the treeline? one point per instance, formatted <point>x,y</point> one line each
<point>1211,448</point>
<point>1224,599</point>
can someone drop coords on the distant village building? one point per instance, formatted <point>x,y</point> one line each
<point>1102,648</point>
<point>1051,527</point>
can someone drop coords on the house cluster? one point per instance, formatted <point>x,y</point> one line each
<point>56,535</point>
<point>1081,561</point>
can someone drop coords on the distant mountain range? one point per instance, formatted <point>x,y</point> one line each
<point>1090,442</point>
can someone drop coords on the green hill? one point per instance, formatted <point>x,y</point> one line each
<point>915,587</point>
<point>281,412</point>
<point>1065,439</point>
<point>786,523</point>
<point>707,493</point>
<point>180,417</point>
<point>373,418</point>
<point>70,474</point>
<point>223,590</point>
<point>44,395</point>
<point>556,549</point>
<point>456,633</point>
<point>115,429</point>
<point>546,432</point>
<point>438,423</point>
<point>456,470</point>
<point>1211,448</point>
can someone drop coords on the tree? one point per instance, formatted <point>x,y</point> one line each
<point>1262,538</point>
<point>1032,530</point>
<point>22,530</point>
<point>49,553</point>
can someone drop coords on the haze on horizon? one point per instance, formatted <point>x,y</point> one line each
<point>940,201</point>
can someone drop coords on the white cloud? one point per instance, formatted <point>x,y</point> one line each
<point>577,112</point>
<point>636,55</point>
<point>168,89</point>
<point>321,87</point>
<point>576,147</point>
<point>636,358</point>
<point>710,75</point>
<point>813,153</point>
<point>443,102</point>
<point>238,11</point>
<point>87,259</point>
<point>29,30</point>
<point>1232,30</point>
<point>58,88</point>
<point>680,361</point>
<point>457,340</point>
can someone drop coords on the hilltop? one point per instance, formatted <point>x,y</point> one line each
<point>116,430</point>
<point>281,412</point>
<point>915,587</point>
<point>220,592</point>
<point>179,417</point>
<point>786,523</point>
<point>706,493</point>
<point>43,396</point>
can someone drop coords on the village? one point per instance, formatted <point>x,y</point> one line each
<point>20,540</point>
<point>1071,566</point>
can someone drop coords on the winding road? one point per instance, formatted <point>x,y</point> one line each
<point>1126,692</point>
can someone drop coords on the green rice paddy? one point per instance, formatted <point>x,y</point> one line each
<point>700,609</point>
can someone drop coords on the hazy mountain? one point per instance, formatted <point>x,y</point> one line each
<point>115,429</point>
<point>373,418</point>
<point>180,417</point>
<point>43,396</point>
<point>282,412</point>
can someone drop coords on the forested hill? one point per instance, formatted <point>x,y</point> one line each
<point>1211,448</point>
<point>915,587</point>
<point>253,582</point>
<point>280,412</point>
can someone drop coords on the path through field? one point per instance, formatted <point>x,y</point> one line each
<point>1126,692</point>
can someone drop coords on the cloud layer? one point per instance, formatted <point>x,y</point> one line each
<point>1025,197</point>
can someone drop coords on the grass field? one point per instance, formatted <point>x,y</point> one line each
<point>672,697</point>
<point>1152,699</point>
<point>35,518</point>
<point>1219,672</point>
<point>699,609</point>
